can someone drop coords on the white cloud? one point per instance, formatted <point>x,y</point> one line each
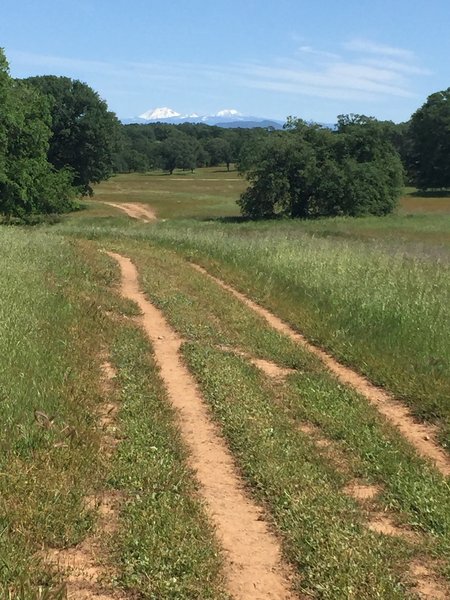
<point>369,47</point>
<point>337,80</point>
<point>366,71</point>
<point>397,66</point>
<point>318,53</point>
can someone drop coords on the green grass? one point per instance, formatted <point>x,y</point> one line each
<point>210,192</point>
<point>50,327</point>
<point>302,489</point>
<point>165,548</point>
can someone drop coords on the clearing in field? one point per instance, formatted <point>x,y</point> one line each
<point>210,408</point>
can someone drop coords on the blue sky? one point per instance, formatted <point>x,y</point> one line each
<point>269,58</point>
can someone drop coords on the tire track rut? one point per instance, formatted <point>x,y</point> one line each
<point>420,435</point>
<point>253,564</point>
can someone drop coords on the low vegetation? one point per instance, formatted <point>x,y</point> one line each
<point>358,512</point>
<point>49,393</point>
<point>377,305</point>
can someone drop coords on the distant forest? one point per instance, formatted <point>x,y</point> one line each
<point>58,138</point>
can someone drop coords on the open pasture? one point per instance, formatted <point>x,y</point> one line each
<point>343,502</point>
<point>208,192</point>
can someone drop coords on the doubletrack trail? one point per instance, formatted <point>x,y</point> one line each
<point>420,435</point>
<point>253,564</point>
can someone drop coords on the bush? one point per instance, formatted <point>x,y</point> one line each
<point>309,171</point>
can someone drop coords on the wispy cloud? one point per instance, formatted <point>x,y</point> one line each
<point>367,46</point>
<point>396,66</point>
<point>318,53</point>
<point>339,80</point>
<point>74,66</point>
<point>362,70</point>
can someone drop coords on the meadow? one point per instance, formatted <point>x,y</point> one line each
<point>372,291</point>
<point>357,510</point>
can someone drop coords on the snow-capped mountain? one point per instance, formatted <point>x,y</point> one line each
<point>159,113</point>
<point>228,117</point>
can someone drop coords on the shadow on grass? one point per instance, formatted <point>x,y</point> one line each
<point>242,219</point>
<point>232,219</point>
<point>430,194</point>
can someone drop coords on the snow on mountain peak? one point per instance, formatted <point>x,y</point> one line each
<point>160,113</point>
<point>228,112</point>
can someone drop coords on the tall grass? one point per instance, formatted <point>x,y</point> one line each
<point>47,458</point>
<point>260,420</point>
<point>373,305</point>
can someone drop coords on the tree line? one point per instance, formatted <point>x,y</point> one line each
<point>146,147</point>
<point>358,167</point>
<point>58,138</point>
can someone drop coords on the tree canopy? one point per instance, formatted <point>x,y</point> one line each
<point>430,142</point>
<point>311,171</point>
<point>145,147</point>
<point>85,133</point>
<point>28,182</point>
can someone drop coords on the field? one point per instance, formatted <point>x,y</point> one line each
<point>202,407</point>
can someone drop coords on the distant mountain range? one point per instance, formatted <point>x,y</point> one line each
<point>224,118</point>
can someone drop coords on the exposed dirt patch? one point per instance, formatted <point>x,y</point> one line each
<point>361,491</point>
<point>143,212</point>
<point>252,553</point>
<point>86,575</point>
<point>384,523</point>
<point>108,411</point>
<point>329,449</point>
<point>420,435</point>
<point>84,566</point>
<point>427,585</point>
<point>268,367</point>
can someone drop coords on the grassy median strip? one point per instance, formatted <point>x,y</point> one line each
<point>324,532</point>
<point>411,486</point>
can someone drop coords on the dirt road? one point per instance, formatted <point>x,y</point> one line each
<point>135,210</point>
<point>253,565</point>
